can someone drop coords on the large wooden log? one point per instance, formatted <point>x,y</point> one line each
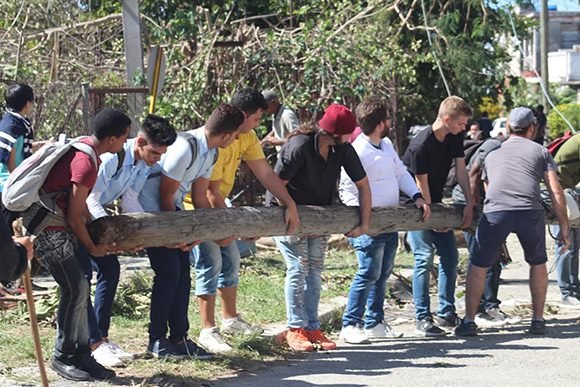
<point>168,228</point>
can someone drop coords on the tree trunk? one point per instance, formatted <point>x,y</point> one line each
<point>129,231</point>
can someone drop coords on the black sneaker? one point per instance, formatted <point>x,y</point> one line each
<point>88,363</point>
<point>466,329</point>
<point>448,322</point>
<point>69,370</point>
<point>188,348</point>
<point>426,328</point>
<point>538,327</point>
<point>163,349</point>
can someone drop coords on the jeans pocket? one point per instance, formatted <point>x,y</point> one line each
<point>54,247</point>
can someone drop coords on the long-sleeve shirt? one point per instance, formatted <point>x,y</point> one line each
<point>386,173</point>
<point>113,182</point>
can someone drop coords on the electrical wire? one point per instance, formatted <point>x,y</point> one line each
<point>432,49</point>
<point>518,45</point>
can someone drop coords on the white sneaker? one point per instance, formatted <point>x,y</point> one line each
<point>237,325</point>
<point>120,353</point>
<point>105,356</point>
<point>570,302</point>
<point>382,331</point>
<point>500,315</point>
<point>211,339</point>
<point>353,334</point>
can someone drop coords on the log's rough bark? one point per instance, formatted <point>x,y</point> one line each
<point>153,229</point>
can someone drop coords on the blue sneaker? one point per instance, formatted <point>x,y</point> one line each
<point>188,348</point>
<point>163,349</point>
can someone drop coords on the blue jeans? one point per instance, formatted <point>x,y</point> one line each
<point>567,263</point>
<point>376,258</point>
<point>489,299</point>
<point>423,243</point>
<point>304,263</point>
<point>58,251</point>
<point>108,271</point>
<point>216,267</point>
<point>170,293</point>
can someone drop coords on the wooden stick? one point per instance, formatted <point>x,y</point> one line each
<point>19,232</point>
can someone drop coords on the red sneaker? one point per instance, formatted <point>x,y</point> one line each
<point>298,341</point>
<point>317,337</point>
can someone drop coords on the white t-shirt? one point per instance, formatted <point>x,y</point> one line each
<point>386,173</point>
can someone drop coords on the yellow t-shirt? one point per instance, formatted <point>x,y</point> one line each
<point>246,147</point>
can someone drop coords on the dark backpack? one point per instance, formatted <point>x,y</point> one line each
<point>555,145</point>
<point>471,147</point>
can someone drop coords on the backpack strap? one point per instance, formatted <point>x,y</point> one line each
<point>215,156</point>
<point>190,138</point>
<point>86,149</point>
<point>120,159</point>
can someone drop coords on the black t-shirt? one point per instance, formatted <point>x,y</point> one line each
<point>311,179</point>
<point>426,155</point>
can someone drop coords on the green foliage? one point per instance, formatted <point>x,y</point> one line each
<point>557,125</point>
<point>491,107</point>
<point>311,52</point>
<point>133,296</point>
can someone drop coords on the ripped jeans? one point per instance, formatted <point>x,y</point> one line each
<point>304,263</point>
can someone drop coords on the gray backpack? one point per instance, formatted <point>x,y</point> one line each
<point>23,190</point>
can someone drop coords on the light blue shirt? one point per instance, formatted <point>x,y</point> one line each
<point>112,184</point>
<point>174,165</point>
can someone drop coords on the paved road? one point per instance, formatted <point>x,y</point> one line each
<point>494,358</point>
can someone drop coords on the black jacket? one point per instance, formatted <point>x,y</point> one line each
<point>13,256</point>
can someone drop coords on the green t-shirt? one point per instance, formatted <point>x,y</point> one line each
<point>568,160</point>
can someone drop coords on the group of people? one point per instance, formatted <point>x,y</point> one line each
<point>316,165</point>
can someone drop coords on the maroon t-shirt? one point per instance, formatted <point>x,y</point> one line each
<point>74,167</point>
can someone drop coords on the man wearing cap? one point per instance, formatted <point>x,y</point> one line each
<point>285,121</point>
<point>513,174</point>
<point>310,164</point>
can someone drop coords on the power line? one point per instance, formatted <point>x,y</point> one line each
<point>432,49</point>
<point>518,45</point>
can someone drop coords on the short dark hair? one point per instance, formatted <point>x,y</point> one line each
<point>110,122</point>
<point>226,118</point>
<point>370,113</point>
<point>249,100</point>
<point>158,130</point>
<point>17,96</point>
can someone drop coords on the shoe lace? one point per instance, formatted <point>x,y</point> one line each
<point>318,336</point>
<point>216,335</point>
<point>298,335</point>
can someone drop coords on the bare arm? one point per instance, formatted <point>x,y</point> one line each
<point>463,180</point>
<point>559,205</point>
<point>423,184</point>
<point>475,181</point>
<point>364,200</point>
<point>199,190</point>
<point>277,187</point>
<point>167,190</point>
<point>214,195</point>
<point>77,217</point>
<point>12,160</point>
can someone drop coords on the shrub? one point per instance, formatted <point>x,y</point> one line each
<point>557,125</point>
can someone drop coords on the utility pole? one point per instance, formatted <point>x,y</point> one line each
<point>544,27</point>
<point>133,57</point>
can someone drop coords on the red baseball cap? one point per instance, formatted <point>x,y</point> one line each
<point>337,119</point>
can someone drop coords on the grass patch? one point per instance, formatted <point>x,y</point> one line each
<point>260,300</point>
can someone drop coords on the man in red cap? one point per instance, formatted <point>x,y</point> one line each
<point>310,164</point>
